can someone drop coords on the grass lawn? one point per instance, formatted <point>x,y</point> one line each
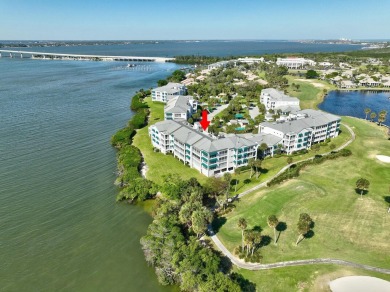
<point>346,227</point>
<point>271,166</point>
<point>303,278</point>
<point>309,95</point>
<point>158,163</point>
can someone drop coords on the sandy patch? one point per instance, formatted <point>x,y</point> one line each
<point>359,284</point>
<point>383,158</point>
<point>315,84</point>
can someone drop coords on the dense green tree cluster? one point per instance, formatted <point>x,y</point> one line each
<point>219,81</point>
<point>199,60</point>
<point>162,82</point>
<point>251,240</point>
<point>172,242</point>
<point>129,158</point>
<point>275,75</point>
<point>123,137</point>
<point>311,74</point>
<point>177,76</point>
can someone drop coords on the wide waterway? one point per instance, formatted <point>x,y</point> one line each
<point>353,103</point>
<point>60,228</point>
<point>203,48</point>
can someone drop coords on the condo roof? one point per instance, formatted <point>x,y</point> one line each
<point>260,138</point>
<point>278,95</point>
<point>184,133</point>
<point>178,104</point>
<point>313,118</point>
<point>169,88</point>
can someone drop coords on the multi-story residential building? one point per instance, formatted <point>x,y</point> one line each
<point>369,82</point>
<point>213,155</point>
<point>168,91</point>
<point>180,108</point>
<point>208,154</point>
<point>294,63</point>
<point>347,84</point>
<point>248,60</point>
<point>303,128</point>
<point>221,64</point>
<point>277,100</point>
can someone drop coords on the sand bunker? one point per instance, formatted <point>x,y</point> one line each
<point>383,158</point>
<point>359,284</point>
<point>315,84</point>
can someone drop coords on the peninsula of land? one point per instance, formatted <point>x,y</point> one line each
<point>314,183</point>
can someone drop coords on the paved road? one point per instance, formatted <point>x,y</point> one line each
<point>256,266</point>
<point>217,111</point>
<point>254,112</point>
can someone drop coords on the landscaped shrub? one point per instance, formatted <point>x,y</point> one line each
<point>129,156</point>
<point>139,119</point>
<point>140,189</point>
<point>137,103</point>
<point>243,168</point>
<point>345,152</point>
<point>293,170</point>
<point>123,137</point>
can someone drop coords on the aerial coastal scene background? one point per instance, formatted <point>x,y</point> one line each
<point>76,217</point>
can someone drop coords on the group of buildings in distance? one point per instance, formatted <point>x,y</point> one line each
<point>212,155</point>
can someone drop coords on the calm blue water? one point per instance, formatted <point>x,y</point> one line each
<point>353,103</point>
<point>208,48</point>
<point>60,228</point>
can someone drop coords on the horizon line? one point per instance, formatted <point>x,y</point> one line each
<point>191,40</point>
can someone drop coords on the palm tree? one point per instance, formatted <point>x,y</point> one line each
<point>256,239</point>
<point>303,226</point>
<point>242,224</point>
<point>367,111</point>
<point>273,221</point>
<point>382,117</point>
<point>372,116</point>
<point>257,165</point>
<point>251,163</point>
<point>228,178</point>
<point>249,240</point>
<point>262,148</point>
<point>362,184</point>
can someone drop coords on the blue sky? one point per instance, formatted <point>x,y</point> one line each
<point>201,19</point>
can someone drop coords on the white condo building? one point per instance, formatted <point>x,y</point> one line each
<point>208,154</point>
<point>180,108</point>
<point>294,63</point>
<point>168,91</point>
<point>303,128</point>
<point>277,100</point>
<point>214,156</point>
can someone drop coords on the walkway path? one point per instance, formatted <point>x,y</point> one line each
<point>256,266</point>
<point>264,184</point>
<point>217,111</point>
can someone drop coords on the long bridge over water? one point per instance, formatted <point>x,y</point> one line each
<point>60,56</point>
